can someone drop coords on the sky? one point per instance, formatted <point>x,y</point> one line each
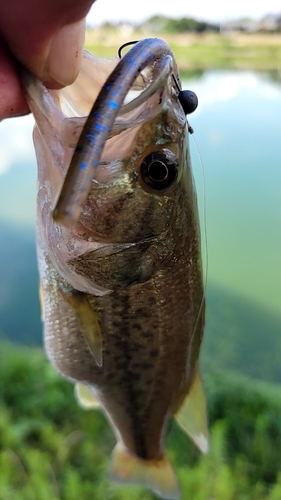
<point>214,10</point>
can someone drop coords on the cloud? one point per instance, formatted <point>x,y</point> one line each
<point>216,10</point>
<point>220,86</point>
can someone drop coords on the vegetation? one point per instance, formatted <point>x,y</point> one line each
<point>198,51</point>
<point>50,449</point>
<point>270,23</point>
<point>164,24</point>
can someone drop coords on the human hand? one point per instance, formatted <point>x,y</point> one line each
<point>47,37</point>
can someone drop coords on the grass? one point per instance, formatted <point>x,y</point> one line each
<point>50,449</point>
<point>194,51</point>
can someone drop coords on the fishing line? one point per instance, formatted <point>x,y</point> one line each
<point>205,245</point>
<point>191,131</point>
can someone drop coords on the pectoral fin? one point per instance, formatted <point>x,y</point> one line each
<point>85,397</point>
<point>88,322</point>
<point>192,415</point>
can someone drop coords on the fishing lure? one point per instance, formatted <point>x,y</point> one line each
<point>88,151</point>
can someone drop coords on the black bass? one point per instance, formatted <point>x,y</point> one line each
<point>119,253</point>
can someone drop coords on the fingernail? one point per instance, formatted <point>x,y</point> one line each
<point>64,59</point>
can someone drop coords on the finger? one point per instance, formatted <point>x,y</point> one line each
<point>62,64</point>
<point>12,100</point>
<point>46,37</point>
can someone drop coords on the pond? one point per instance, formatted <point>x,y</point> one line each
<point>238,134</point>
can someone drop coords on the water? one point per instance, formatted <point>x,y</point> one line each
<point>238,133</point>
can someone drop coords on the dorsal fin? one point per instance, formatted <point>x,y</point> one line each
<point>85,397</point>
<point>192,414</point>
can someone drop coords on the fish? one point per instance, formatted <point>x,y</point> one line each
<point>119,254</point>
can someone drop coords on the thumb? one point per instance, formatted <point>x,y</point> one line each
<point>62,59</point>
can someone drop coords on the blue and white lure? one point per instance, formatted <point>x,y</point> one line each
<point>108,105</point>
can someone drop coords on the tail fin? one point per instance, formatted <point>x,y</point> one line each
<point>156,475</point>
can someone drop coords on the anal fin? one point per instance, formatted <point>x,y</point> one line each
<point>85,397</point>
<point>192,414</point>
<point>156,475</point>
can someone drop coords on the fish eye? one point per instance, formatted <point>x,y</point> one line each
<point>159,170</point>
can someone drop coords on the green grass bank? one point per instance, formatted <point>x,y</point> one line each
<point>193,51</point>
<point>50,449</point>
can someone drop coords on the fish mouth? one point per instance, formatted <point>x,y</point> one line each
<point>126,93</point>
<point>153,54</point>
<point>150,62</point>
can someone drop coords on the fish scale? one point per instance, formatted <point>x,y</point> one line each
<point>130,332</point>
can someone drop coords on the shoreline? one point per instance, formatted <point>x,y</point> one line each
<point>256,51</point>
